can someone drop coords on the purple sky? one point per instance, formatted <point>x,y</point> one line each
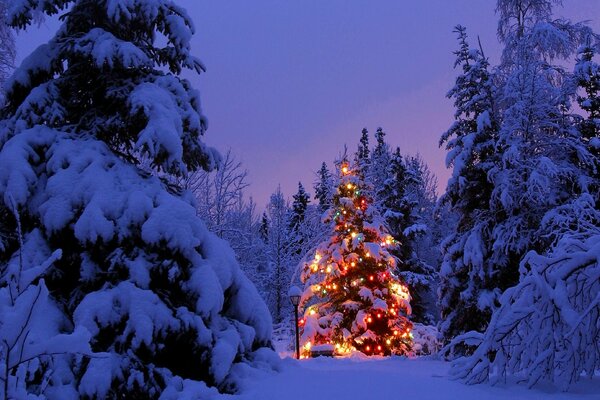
<point>289,82</point>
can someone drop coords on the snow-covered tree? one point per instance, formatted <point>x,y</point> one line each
<point>545,222</point>
<point>7,47</point>
<point>352,297</point>
<point>468,278</point>
<point>379,163</point>
<point>278,251</point>
<point>362,156</point>
<point>161,299</point>
<point>324,188</point>
<point>218,193</point>
<point>587,78</point>
<point>547,325</point>
<point>299,206</point>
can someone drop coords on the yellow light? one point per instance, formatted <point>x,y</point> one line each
<point>396,333</point>
<point>353,234</point>
<point>314,267</point>
<point>317,256</point>
<point>353,264</point>
<point>312,311</point>
<point>349,186</point>
<point>328,270</point>
<point>368,254</point>
<point>388,342</point>
<point>307,346</point>
<point>334,286</point>
<point>369,320</point>
<point>345,169</point>
<point>379,348</point>
<point>368,348</point>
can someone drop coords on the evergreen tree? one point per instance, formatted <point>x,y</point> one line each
<point>299,206</point>
<point>7,47</point>
<point>379,164</point>
<point>352,297</point>
<point>545,221</point>
<point>587,78</point>
<point>264,227</point>
<point>468,277</point>
<point>121,265</point>
<point>362,158</point>
<point>324,188</point>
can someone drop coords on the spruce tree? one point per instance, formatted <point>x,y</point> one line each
<point>362,158</point>
<point>324,188</point>
<point>587,78</point>
<point>353,298</point>
<point>399,211</point>
<point>468,278</point>
<point>299,206</point>
<point>118,260</point>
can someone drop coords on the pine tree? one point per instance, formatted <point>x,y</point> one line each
<point>587,77</point>
<point>468,278</point>
<point>379,164</point>
<point>544,218</point>
<point>299,206</point>
<point>399,211</point>
<point>352,296</point>
<point>7,47</point>
<point>324,188</point>
<point>362,158</point>
<point>124,266</point>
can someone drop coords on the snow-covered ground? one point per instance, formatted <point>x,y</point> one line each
<point>387,378</point>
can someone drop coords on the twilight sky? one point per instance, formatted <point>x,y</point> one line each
<point>288,83</point>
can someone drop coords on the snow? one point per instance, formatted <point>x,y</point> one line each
<point>359,377</point>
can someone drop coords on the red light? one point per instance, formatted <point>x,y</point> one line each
<point>368,348</point>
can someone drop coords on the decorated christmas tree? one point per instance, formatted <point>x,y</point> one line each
<point>352,299</point>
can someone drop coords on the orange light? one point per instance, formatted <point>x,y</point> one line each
<point>349,186</point>
<point>368,348</point>
<point>378,315</point>
<point>353,264</point>
<point>379,348</point>
<point>371,277</point>
<point>369,319</point>
<point>345,169</point>
<point>396,333</point>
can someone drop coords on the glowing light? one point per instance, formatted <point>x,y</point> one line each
<point>317,256</point>
<point>378,315</point>
<point>353,264</point>
<point>368,348</point>
<point>328,270</point>
<point>307,346</point>
<point>353,234</point>
<point>312,311</point>
<point>368,254</point>
<point>369,319</point>
<point>379,348</point>
<point>396,333</point>
<point>349,186</point>
<point>371,277</point>
<point>388,342</point>
<point>314,267</point>
<point>345,169</point>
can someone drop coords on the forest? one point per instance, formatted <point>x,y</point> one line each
<point>135,263</point>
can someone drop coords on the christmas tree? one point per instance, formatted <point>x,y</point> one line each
<point>352,298</point>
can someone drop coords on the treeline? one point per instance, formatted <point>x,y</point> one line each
<point>272,243</point>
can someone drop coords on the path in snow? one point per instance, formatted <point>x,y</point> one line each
<point>388,378</point>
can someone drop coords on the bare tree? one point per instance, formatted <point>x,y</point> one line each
<point>219,193</point>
